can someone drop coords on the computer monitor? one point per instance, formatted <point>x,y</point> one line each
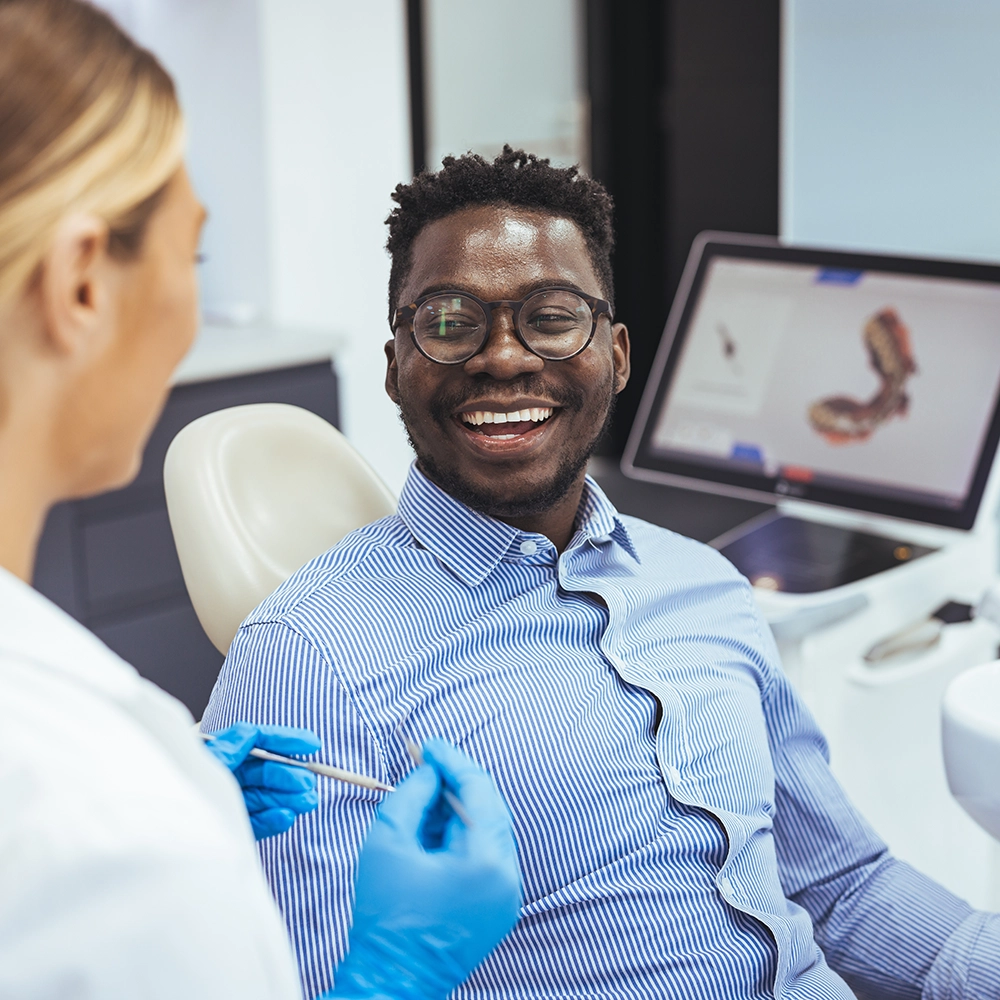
<point>855,380</point>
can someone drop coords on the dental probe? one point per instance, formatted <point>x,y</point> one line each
<point>450,797</point>
<point>324,769</point>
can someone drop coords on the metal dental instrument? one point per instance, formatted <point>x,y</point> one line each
<point>450,797</point>
<point>917,637</point>
<point>325,770</point>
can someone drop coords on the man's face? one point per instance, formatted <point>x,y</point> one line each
<point>516,468</point>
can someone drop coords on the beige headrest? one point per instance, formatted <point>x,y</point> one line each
<point>253,492</point>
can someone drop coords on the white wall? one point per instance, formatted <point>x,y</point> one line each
<point>891,125</point>
<point>505,72</point>
<point>211,48</point>
<point>336,117</point>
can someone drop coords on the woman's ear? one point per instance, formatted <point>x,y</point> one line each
<point>74,284</point>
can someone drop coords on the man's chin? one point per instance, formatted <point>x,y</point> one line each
<point>509,498</point>
<point>497,500</point>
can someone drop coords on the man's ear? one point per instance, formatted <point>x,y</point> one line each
<point>621,352</point>
<point>74,283</point>
<point>391,372</point>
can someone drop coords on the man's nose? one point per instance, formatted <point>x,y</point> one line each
<point>504,356</point>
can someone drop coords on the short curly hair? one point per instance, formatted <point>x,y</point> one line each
<point>514,178</point>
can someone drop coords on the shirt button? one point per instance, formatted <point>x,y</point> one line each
<point>725,885</point>
<point>529,548</point>
<point>673,774</point>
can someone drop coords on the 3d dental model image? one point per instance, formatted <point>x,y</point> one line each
<point>843,420</point>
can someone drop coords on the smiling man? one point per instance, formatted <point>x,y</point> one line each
<point>505,400</point>
<point>680,833</point>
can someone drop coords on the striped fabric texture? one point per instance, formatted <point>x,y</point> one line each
<point>679,830</point>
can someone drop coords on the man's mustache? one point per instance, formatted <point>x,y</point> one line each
<point>536,386</point>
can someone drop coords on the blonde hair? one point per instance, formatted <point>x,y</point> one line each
<point>89,121</point>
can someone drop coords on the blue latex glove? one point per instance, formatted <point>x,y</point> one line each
<point>434,897</point>
<point>274,793</point>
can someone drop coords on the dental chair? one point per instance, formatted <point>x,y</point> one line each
<point>253,493</point>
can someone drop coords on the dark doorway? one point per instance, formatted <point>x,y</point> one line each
<point>684,132</point>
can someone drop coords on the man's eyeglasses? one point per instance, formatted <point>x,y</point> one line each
<point>451,327</point>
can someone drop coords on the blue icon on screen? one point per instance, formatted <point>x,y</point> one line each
<point>837,276</point>
<point>747,453</point>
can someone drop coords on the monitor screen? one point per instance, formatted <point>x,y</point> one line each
<point>857,380</point>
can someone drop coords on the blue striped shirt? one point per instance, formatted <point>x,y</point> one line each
<point>679,830</point>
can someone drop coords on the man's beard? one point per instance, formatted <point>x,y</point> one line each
<point>546,495</point>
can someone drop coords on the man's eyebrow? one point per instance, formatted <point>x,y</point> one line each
<point>527,290</point>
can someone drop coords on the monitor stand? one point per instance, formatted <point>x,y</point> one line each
<point>793,556</point>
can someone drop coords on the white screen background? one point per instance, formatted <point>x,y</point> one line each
<point>799,341</point>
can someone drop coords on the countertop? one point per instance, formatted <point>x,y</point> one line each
<point>223,352</point>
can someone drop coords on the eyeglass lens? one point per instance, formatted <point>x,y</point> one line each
<point>555,324</point>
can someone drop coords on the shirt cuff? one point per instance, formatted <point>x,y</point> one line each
<point>968,966</point>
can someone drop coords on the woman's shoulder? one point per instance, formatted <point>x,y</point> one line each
<point>94,753</point>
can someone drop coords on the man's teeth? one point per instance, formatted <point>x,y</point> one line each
<point>534,414</point>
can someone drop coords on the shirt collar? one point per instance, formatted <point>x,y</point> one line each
<point>598,519</point>
<point>471,544</point>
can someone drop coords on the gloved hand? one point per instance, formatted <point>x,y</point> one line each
<point>274,793</point>
<point>434,896</point>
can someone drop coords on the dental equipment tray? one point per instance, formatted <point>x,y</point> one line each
<point>794,556</point>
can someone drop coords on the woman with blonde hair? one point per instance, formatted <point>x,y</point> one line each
<point>126,858</point>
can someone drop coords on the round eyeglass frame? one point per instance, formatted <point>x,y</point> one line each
<point>406,314</point>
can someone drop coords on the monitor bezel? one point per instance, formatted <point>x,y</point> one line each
<point>640,460</point>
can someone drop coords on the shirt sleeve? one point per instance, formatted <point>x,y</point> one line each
<point>275,675</point>
<point>967,966</point>
<point>888,930</point>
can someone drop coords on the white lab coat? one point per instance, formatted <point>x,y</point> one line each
<point>127,867</point>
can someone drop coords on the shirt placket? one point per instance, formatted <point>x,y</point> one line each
<point>673,749</point>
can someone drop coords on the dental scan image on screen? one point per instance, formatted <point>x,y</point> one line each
<point>884,383</point>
